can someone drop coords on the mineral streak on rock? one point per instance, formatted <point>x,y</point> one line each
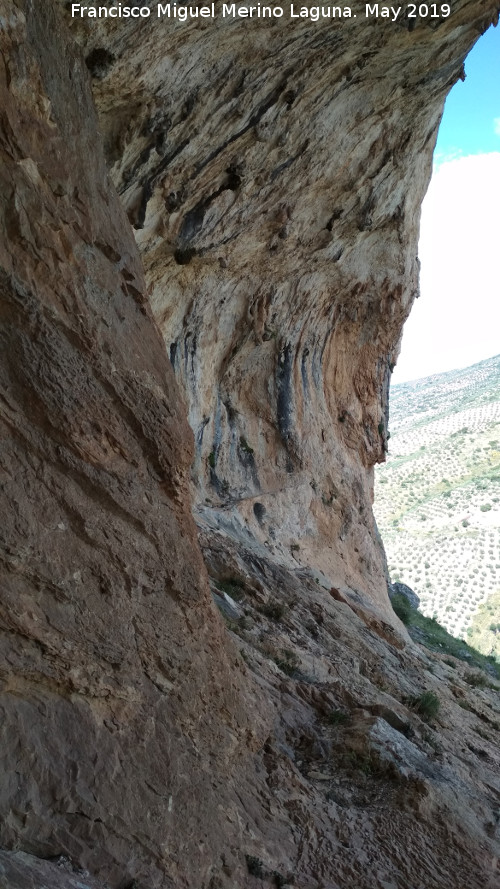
<point>273,171</point>
<point>273,176</point>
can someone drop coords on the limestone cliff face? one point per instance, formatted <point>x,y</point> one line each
<point>273,178</point>
<point>273,172</point>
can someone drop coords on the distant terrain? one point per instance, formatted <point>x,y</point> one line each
<point>437,498</point>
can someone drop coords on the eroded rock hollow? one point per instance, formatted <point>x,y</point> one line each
<point>272,173</point>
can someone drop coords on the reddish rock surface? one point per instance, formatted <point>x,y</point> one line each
<point>115,671</point>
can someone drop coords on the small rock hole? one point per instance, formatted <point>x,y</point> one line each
<point>259,511</point>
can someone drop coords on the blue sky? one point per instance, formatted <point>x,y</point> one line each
<point>456,321</point>
<point>468,125</point>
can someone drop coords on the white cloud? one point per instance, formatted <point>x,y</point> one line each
<point>456,322</point>
<point>496,125</point>
<point>444,157</point>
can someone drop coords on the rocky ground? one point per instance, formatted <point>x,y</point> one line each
<point>362,774</point>
<point>368,748</point>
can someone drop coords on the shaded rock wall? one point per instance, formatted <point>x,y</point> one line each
<point>273,172</point>
<point>111,653</point>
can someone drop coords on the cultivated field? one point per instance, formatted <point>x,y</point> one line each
<point>437,498</point>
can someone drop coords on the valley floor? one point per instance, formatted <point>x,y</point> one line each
<point>437,498</point>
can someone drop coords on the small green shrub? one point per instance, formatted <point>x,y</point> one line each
<point>363,762</point>
<point>288,662</point>
<point>431,739</point>
<point>280,881</point>
<point>285,666</point>
<point>339,717</point>
<point>232,586</point>
<point>465,706</point>
<point>401,607</point>
<point>211,459</point>
<point>426,705</point>
<point>255,866</point>
<point>478,680</point>
<point>245,446</point>
<point>273,609</point>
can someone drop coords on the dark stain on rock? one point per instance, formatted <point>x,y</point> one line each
<point>149,182</point>
<point>336,215</point>
<point>247,460</point>
<point>268,103</point>
<point>189,105</point>
<point>284,385</point>
<point>173,353</point>
<point>303,371</point>
<point>259,511</point>
<point>98,62</point>
<point>183,256</point>
<point>193,221</point>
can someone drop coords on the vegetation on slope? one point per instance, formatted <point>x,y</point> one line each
<point>437,499</point>
<point>484,630</point>
<point>428,632</point>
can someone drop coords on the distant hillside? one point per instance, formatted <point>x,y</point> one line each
<point>437,498</point>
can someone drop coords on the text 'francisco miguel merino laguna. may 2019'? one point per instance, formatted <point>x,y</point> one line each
<point>261,11</point>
